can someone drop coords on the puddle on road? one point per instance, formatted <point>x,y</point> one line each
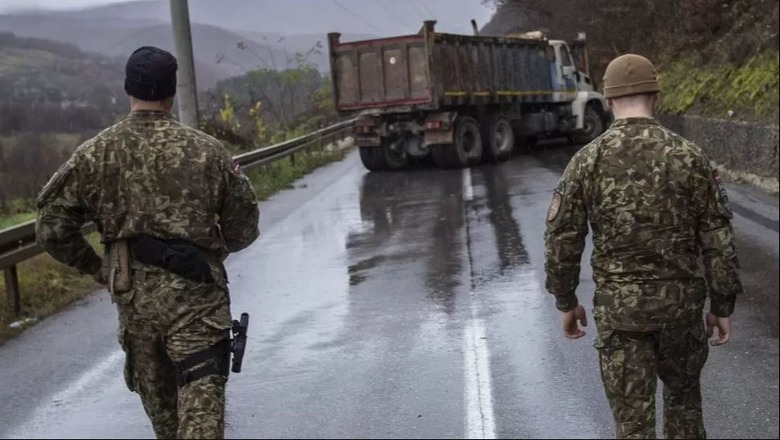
<point>356,271</point>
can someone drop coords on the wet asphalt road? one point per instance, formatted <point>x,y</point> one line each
<point>404,305</point>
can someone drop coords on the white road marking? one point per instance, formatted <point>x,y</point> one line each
<point>468,191</point>
<point>56,407</point>
<point>480,423</point>
<point>90,377</point>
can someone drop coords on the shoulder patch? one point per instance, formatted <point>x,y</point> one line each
<point>555,206</point>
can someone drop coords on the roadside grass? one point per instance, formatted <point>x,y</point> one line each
<point>47,286</point>
<point>6,221</point>
<point>279,175</point>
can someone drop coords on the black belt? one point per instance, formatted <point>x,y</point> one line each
<point>175,255</point>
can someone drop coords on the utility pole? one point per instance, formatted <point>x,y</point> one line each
<point>186,90</point>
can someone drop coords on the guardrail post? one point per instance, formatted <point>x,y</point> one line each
<point>292,159</point>
<point>12,288</point>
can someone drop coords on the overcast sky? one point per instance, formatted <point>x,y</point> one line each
<point>378,17</point>
<point>13,5</point>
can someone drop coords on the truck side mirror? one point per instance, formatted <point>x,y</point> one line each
<point>569,70</point>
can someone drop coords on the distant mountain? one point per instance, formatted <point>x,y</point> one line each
<point>296,17</point>
<point>216,50</point>
<point>272,31</point>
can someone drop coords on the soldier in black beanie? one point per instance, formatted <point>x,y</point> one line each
<point>150,74</point>
<point>171,205</point>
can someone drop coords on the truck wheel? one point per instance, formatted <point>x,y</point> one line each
<point>382,158</point>
<point>499,139</point>
<point>465,151</point>
<point>593,126</point>
<point>371,158</point>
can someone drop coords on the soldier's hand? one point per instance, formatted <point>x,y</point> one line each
<point>724,329</point>
<point>569,322</point>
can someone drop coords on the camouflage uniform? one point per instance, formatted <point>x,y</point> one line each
<point>653,203</point>
<point>149,174</point>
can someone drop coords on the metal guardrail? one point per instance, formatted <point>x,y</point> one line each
<point>18,244</point>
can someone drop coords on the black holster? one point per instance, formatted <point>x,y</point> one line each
<point>213,360</point>
<point>216,358</point>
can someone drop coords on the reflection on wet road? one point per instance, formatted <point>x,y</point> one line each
<point>400,305</point>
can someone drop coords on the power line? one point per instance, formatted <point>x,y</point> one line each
<point>427,9</point>
<point>355,15</point>
<point>414,5</point>
<point>391,12</point>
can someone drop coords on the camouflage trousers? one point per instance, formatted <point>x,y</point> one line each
<point>162,320</point>
<point>631,362</point>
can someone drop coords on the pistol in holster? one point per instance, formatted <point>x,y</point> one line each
<point>238,343</point>
<point>216,358</point>
<point>116,266</point>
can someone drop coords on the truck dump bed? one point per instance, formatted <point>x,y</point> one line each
<point>430,70</point>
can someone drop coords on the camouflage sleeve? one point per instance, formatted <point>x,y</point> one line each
<point>59,219</point>
<point>564,238</point>
<point>240,215</point>
<point>716,241</point>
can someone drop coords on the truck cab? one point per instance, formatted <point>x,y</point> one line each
<point>563,72</point>
<point>573,84</point>
<point>571,73</point>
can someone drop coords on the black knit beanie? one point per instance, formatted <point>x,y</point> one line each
<point>150,74</point>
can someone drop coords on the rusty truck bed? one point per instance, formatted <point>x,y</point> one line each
<point>430,70</point>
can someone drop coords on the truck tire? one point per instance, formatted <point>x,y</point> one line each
<point>371,160</point>
<point>382,158</point>
<point>498,139</point>
<point>593,126</point>
<point>465,151</point>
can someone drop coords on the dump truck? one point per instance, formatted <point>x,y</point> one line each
<point>459,100</point>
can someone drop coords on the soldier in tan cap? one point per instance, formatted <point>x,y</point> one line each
<point>655,206</point>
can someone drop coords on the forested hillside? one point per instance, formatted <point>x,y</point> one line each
<point>53,95</point>
<point>47,86</point>
<point>716,57</point>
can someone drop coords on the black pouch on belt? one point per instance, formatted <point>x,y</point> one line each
<point>178,256</point>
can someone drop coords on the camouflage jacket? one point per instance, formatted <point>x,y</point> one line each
<point>147,174</point>
<point>655,205</point>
